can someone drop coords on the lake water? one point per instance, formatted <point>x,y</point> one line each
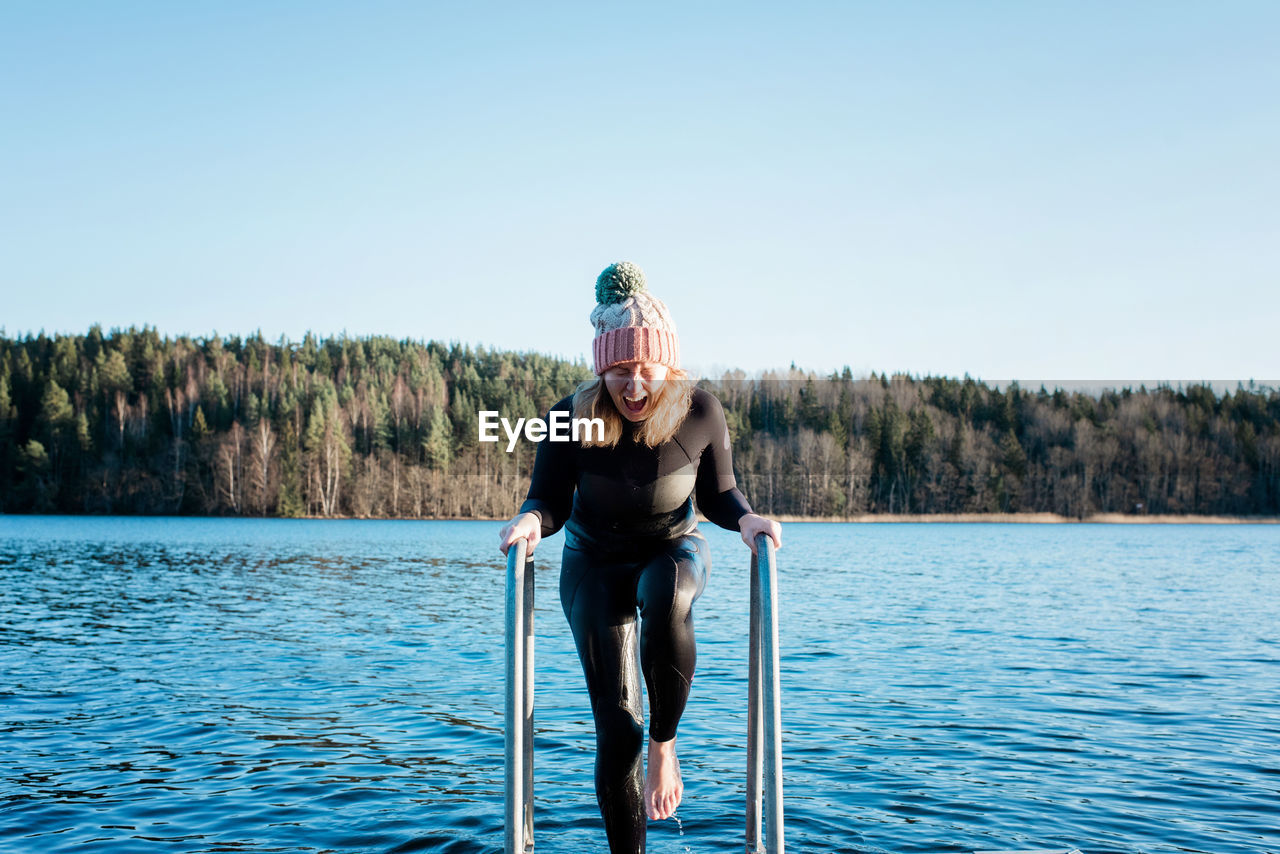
<point>176,685</point>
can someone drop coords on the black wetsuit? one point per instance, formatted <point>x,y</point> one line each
<point>631,541</point>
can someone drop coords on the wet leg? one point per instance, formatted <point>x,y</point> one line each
<point>600,606</point>
<point>666,591</point>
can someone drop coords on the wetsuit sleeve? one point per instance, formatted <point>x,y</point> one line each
<point>718,495</point>
<point>554,479</point>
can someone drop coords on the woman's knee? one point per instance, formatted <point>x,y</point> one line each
<point>672,581</point>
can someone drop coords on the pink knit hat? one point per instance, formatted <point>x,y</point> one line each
<point>632,325</point>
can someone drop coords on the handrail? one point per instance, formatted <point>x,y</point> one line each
<point>518,812</point>
<point>764,712</point>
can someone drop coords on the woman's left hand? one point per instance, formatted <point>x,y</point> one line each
<point>750,525</point>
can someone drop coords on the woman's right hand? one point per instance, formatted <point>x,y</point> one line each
<point>526,525</point>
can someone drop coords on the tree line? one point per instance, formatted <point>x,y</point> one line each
<point>131,422</point>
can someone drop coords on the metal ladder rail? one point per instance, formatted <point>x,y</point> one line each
<point>764,718</point>
<point>518,807</point>
<point>764,711</point>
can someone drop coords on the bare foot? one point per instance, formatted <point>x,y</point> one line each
<point>663,787</point>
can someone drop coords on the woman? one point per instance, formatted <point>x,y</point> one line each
<point>631,541</point>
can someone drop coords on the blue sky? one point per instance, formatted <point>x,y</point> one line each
<point>1071,191</point>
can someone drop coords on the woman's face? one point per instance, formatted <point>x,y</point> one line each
<point>633,386</point>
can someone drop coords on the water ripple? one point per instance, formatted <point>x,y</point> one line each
<point>273,685</point>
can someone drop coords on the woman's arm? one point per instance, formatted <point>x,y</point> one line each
<point>717,491</point>
<point>554,479</point>
<point>718,495</point>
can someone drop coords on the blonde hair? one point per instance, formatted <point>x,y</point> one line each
<point>591,399</point>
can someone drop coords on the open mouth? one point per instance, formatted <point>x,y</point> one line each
<point>635,405</point>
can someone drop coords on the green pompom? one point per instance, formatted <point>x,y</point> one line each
<point>619,281</point>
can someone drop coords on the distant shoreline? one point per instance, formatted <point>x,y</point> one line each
<point>1003,518</point>
<point>1044,519</point>
<point>866,518</point>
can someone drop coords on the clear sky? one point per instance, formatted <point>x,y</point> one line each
<point>1062,190</point>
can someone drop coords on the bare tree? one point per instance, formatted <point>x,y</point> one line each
<point>229,462</point>
<point>261,459</point>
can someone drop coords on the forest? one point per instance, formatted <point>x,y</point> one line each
<point>132,422</point>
